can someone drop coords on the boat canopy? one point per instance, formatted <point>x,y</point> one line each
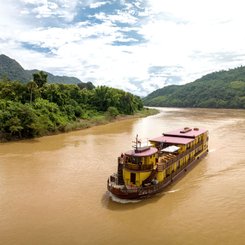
<point>172,140</point>
<point>171,149</point>
<point>142,153</point>
<point>186,132</point>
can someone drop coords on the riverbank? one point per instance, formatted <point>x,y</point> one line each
<point>101,119</point>
<point>95,120</point>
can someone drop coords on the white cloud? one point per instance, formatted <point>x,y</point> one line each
<point>199,37</point>
<point>34,1</point>
<point>47,8</point>
<point>97,4</point>
<point>122,17</point>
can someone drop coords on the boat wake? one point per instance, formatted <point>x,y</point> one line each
<point>123,201</point>
<point>172,191</point>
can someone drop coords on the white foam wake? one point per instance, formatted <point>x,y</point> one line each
<point>123,201</point>
<point>172,191</point>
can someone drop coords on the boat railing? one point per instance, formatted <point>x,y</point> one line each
<point>154,188</point>
<point>167,163</point>
<point>138,167</point>
<point>181,155</point>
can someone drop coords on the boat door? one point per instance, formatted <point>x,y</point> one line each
<point>132,178</point>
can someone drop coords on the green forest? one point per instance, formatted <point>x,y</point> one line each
<point>223,89</point>
<point>37,108</point>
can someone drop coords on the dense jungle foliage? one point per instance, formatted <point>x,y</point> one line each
<point>223,89</point>
<point>37,108</point>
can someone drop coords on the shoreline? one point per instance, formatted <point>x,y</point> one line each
<point>82,124</point>
<point>104,119</point>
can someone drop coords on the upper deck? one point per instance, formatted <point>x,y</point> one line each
<point>186,132</point>
<point>172,140</point>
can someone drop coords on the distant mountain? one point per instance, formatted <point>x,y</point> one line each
<point>12,70</point>
<point>223,89</point>
<point>55,79</point>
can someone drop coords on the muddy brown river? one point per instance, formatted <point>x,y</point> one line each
<point>53,189</point>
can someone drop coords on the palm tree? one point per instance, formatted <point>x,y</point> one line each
<point>32,86</point>
<point>40,78</point>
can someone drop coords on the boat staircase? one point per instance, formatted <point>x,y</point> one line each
<point>120,174</point>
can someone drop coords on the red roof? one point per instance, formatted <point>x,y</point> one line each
<point>172,140</point>
<point>149,152</point>
<point>192,132</point>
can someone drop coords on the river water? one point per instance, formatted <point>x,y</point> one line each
<point>53,189</point>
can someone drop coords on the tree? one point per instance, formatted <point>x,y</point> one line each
<point>15,126</point>
<point>112,112</point>
<point>40,78</point>
<point>102,98</point>
<point>32,86</point>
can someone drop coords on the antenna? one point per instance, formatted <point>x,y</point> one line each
<point>137,141</point>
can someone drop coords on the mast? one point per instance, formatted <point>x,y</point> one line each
<point>137,141</point>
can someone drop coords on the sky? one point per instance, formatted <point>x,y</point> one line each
<point>138,45</point>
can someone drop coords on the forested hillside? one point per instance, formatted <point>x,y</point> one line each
<point>223,89</point>
<point>37,108</point>
<point>10,69</point>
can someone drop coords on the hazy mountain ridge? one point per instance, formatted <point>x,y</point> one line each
<point>12,70</point>
<point>222,89</point>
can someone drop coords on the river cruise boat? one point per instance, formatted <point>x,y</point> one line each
<point>148,169</point>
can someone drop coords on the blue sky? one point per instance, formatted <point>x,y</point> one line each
<point>137,45</point>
